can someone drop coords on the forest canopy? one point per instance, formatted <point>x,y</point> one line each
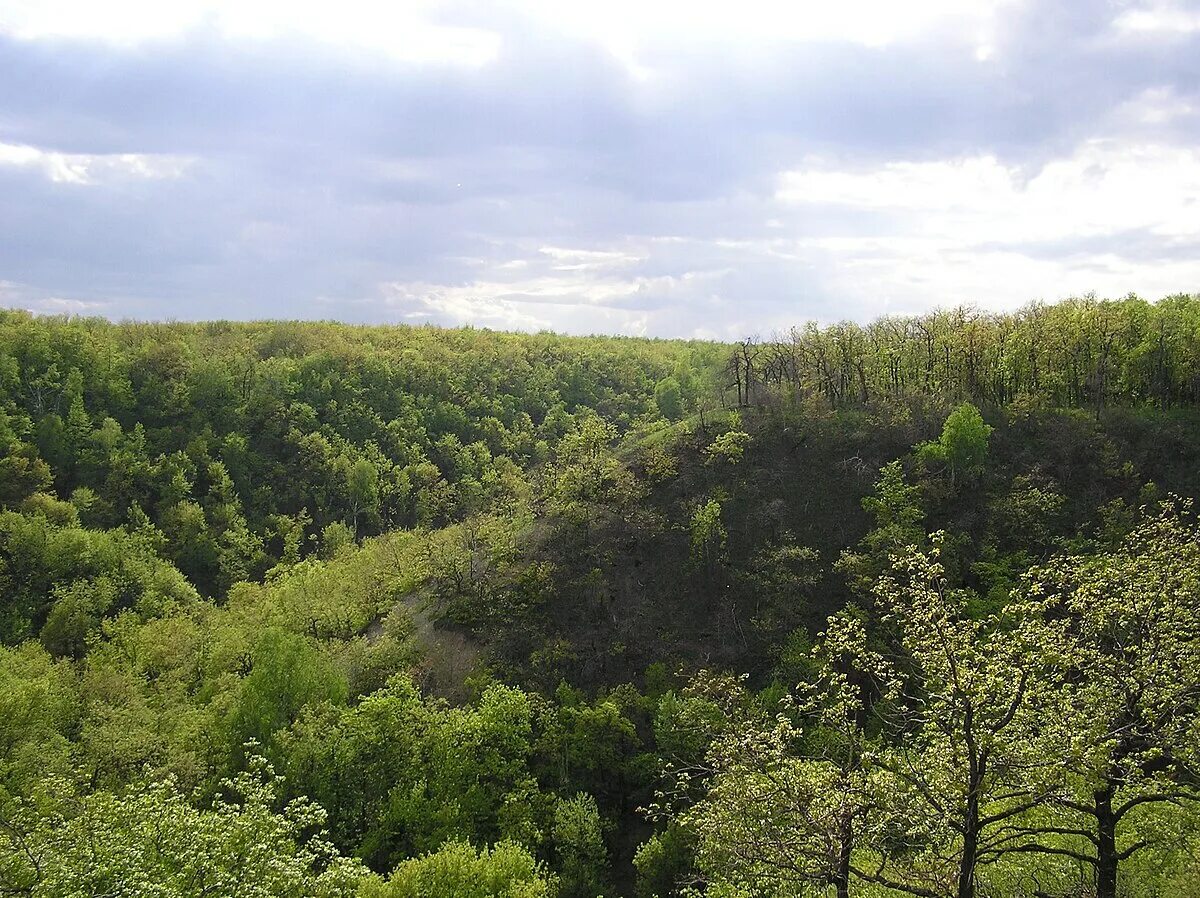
<point>903,608</point>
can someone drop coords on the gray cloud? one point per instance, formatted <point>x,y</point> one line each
<point>319,180</point>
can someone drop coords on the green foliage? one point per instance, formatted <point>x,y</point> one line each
<point>587,745</point>
<point>578,839</point>
<point>40,714</point>
<point>685,725</point>
<point>1078,353</point>
<point>286,675</point>
<point>400,775</point>
<point>729,447</point>
<point>663,862</point>
<point>668,396</point>
<point>22,472</point>
<point>1124,624</point>
<point>334,537</point>
<point>781,805</point>
<point>896,507</point>
<point>374,427</point>
<point>89,573</point>
<point>504,871</point>
<point>708,534</point>
<point>417,568</point>
<point>976,693</point>
<point>985,753</point>
<point>152,841</point>
<point>587,471</point>
<point>963,445</point>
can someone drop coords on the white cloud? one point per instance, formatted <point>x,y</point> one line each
<point>975,230</point>
<point>632,28</point>
<point>588,259</point>
<point>910,186</point>
<point>1104,187</point>
<point>22,296</point>
<point>476,305</point>
<point>908,275</point>
<point>1163,16</point>
<point>419,301</point>
<point>59,305</point>
<point>562,288</point>
<point>551,190</point>
<point>88,168</point>
<point>1154,108</point>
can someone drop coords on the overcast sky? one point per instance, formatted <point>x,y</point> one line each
<point>631,166</point>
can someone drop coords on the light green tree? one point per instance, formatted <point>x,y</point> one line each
<point>506,870</point>
<point>287,673</point>
<point>578,838</point>
<point>362,485</point>
<point>963,445</point>
<point>729,447</point>
<point>708,535</point>
<point>1128,624</point>
<point>790,795</point>
<point>669,398</point>
<point>153,842</point>
<point>895,504</point>
<point>970,751</point>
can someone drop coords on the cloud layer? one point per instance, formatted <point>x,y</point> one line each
<point>667,169</point>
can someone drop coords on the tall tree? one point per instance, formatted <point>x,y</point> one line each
<point>788,795</point>
<point>1127,623</point>
<point>965,757</point>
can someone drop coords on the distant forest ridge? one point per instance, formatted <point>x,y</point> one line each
<point>1079,352</point>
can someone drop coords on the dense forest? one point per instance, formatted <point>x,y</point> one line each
<point>309,609</point>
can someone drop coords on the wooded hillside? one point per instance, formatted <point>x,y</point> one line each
<point>310,609</point>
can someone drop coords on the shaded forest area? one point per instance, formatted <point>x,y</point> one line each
<point>312,609</point>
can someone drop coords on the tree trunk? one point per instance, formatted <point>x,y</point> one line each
<point>1106,844</point>
<point>970,848</point>
<point>845,842</point>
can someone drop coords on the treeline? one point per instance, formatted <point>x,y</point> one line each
<point>1079,353</point>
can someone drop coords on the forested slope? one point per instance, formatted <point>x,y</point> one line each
<point>310,609</point>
